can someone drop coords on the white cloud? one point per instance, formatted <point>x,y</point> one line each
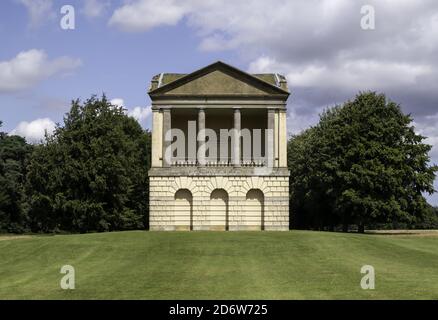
<point>316,43</point>
<point>95,8</point>
<point>295,30</point>
<point>30,67</point>
<point>359,74</point>
<point>140,113</point>
<point>118,102</point>
<point>144,15</point>
<point>34,131</point>
<point>39,11</point>
<point>240,21</point>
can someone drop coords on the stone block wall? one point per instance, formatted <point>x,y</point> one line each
<point>190,203</point>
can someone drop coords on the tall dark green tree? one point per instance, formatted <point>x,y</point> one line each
<point>91,174</point>
<point>429,219</point>
<point>363,163</point>
<point>14,155</point>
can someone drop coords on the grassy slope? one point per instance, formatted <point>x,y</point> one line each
<point>220,265</point>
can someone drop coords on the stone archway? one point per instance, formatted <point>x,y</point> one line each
<point>183,210</point>
<point>218,215</point>
<point>254,210</point>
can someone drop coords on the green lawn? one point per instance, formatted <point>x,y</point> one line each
<point>219,265</point>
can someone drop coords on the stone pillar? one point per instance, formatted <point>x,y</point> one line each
<point>236,138</point>
<point>270,142</point>
<point>276,139</point>
<point>167,125</point>
<point>201,137</point>
<point>157,136</point>
<point>282,138</point>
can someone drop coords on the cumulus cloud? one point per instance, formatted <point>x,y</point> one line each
<point>117,102</point>
<point>318,44</point>
<point>38,11</point>
<point>144,15</point>
<point>30,67</point>
<point>34,131</point>
<point>140,113</point>
<point>350,74</point>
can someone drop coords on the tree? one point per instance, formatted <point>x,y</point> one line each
<point>91,174</point>
<point>14,155</point>
<point>363,163</point>
<point>429,220</point>
<point>309,205</point>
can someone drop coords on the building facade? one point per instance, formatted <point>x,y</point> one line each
<point>219,151</point>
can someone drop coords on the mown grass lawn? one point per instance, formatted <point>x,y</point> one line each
<point>219,265</point>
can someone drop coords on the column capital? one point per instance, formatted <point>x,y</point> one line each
<point>166,108</point>
<point>272,109</point>
<point>236,109</point>
<point>201,108</point>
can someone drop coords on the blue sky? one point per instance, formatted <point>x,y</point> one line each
<point>117,46</point>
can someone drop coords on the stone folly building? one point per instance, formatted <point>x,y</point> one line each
<point>226,189</point>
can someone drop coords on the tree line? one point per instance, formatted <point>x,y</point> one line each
<point>361,165</point>
<point>89,175</point>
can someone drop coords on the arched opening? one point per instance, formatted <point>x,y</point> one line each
<point>183,210</point>
<point>219,210</point>
<point>254,210</point>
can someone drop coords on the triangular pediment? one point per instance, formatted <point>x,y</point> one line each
<point>217,83</point>
<point>216,80</point>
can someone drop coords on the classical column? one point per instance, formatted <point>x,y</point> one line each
<point>282,138</point>
<point>236,138</point>
<point>270,142</point>
<point>201,136</point>
<point>276,138</point>
<point>167,125</point>
<point>157,136</point>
